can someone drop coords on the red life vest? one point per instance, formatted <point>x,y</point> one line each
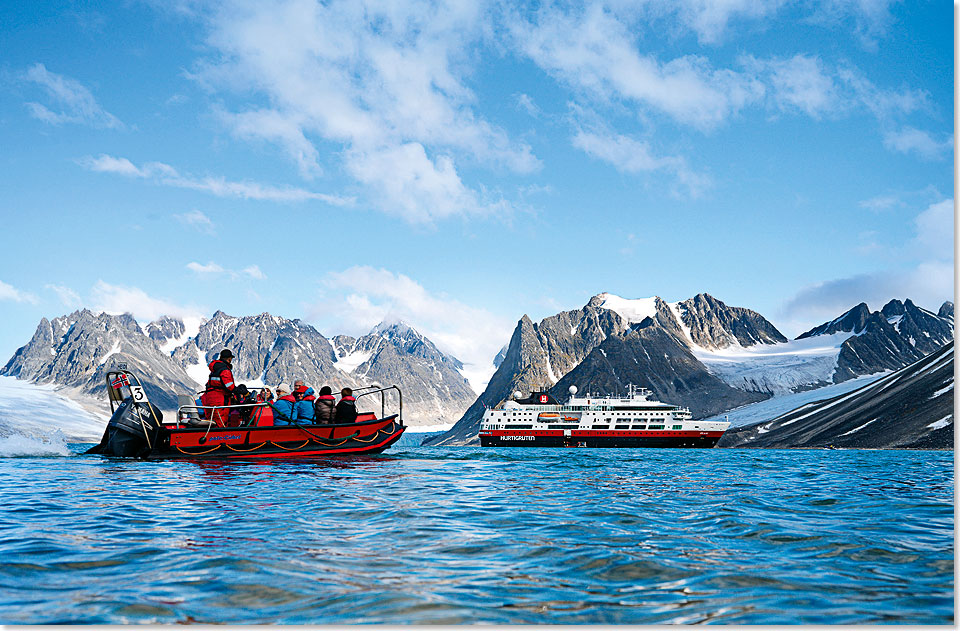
<point>220,377</point>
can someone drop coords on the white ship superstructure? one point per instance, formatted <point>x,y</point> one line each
<point>594,420</point>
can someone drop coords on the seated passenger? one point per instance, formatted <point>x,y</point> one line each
<point>325,406</point>
<point>283,407</point>
<point>347,408</point>
<point>304,407</point>
<point>244,399</point>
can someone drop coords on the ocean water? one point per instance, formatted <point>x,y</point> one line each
<point>470,535</point>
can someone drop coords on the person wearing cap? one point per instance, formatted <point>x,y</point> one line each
<point>347,408</point>
<point>284,406</point>
<point>304,408</point>
<point>219,388</point>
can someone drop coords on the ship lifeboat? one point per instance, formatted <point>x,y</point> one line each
<point>137,430</point>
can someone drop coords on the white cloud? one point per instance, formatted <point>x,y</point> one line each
<point>254,272</point>
<point>928,283</point>
<point>527,104</point>
<point>634,156</point>
<point>802,83</point>
<point>880,203</point>
<point>117,299</point>
<point>410,184</point>
<point>910,140</point>
<point>594,52</point>
<point>166,175</point>
<point>9,292</point>
<point>357,299</point>
<point>209,268</point>
<point>935,232</point>
<point>68,297</point>
<point>710,18</point>
<point>196,219</point>
<point>374,79</point>
<point>77,103</point>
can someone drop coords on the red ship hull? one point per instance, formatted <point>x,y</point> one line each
<point>600,439</point>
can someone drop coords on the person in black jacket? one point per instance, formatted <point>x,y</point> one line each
<point>347,408</point>
<point>324,407</point>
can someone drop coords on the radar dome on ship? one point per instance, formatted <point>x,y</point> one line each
<point>517,394</point>
<point>572,390</point>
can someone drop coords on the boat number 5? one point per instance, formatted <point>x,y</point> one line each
<point>137,393</point>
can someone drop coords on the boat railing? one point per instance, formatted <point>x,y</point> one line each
<point>205,412</point>
<point>371,390</point>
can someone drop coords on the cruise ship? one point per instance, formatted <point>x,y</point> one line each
<point>595,421</point>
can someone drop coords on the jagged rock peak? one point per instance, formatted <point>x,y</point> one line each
<point>164,328</point>
<point>893,308</point>
<point>852,321</point>
<point>946,310</point>
<point>711,323</point>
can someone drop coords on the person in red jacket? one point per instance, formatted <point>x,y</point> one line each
<point>220,386</point>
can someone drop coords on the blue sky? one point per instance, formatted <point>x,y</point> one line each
<point>457,165</point>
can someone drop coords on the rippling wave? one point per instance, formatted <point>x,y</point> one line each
<point>469,535</point>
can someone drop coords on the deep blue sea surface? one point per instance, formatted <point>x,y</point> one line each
<point>470,535</point>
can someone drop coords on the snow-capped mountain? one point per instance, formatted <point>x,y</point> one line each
<point>77,350</point>
<point>889,339</point>
<point>434,390</point>
<point>912,408</point>
<point>538,355</point>
<point>267,350</point>
<point>700,352</point>
<point>171,356</point>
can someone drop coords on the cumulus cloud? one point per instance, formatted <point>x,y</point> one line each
<point>910,140</point>
<point>709,19</point>
<point>209,268</point>
<point>801,83</point>
<point>11,293</point>
<point>74,102</point>
<point>254,272</point>
<point>634,156</point>
<point>359,298</point>
<point>595,53</point>
<point>166,175</point>
<point>117,299</point>
<point>375,80</point>
<point>929,282</point>
<point>408,183</point>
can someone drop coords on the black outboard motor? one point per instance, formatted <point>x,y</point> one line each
<point>133,430</point>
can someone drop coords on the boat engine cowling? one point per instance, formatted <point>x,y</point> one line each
<point>132,431</point>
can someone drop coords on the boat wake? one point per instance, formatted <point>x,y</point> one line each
<point>15,444</point>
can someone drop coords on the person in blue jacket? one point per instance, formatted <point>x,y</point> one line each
<point>304,407</point>
<point>284,408</point>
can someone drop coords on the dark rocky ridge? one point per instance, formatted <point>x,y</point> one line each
<point>910,408</point>
<point>534,357</point>
<point>78,349</point>
<point>897,335</point>
<point>164,329</point>
<point>713,324</point>
<point>596,348</point>
<point>434,391</point>
<point>266,348</point>
<point>654,359</point>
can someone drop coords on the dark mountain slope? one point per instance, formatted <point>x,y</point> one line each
<point>910,408</point>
